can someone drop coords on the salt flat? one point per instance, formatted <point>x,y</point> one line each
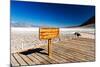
<point>25,38</point>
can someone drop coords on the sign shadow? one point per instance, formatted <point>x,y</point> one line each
<point>36,50</point>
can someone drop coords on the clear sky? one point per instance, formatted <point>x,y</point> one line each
<point>46,14</point>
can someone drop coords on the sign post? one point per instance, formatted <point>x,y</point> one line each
<point>49,47</point>
<point>48,34</point>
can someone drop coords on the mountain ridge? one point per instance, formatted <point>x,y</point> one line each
<point>89,23</point>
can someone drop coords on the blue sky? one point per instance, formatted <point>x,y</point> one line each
<point>44,14</point>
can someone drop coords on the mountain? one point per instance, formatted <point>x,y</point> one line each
<point>89,23</point>
<point>25,25</point>
<point>22,25</point>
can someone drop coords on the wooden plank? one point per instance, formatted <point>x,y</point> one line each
<point>85,39</point>
<point>14,62</point>
<point>82,57</point>
<point>84,43</point>
<point>63,57</point>
<point>59,55</point>
<point>81,52</point>
<point>19,59</point>
<point>57,58</point>
<point>63,51</point>
<point>35,60</point>
<point>42,60</point>
<point>76,51</point>
<point>47,58</point>
<point>67,55</point>
<point>87,44</point>
<point>30,62</point>
<point>75,45</point>
<point>73,53</point>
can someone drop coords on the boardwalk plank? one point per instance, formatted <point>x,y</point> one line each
<point>78,54</point>
<point>13,61</point>
<point>68,56</point>
<point>77,46</point>
<point>48,59</point>
<point>35,60</point>
<point>19,59</point>
<point>43,61</point>
<point>27,59</point>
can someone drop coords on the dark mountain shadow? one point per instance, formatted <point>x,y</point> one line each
<point>89,22</point>
<point>36,50</point>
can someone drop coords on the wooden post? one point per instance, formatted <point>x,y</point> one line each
<point>49,47</point>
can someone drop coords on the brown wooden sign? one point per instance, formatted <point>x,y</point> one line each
<point>48,33</point>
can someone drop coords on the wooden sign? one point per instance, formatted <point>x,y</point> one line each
<point>48,33</point>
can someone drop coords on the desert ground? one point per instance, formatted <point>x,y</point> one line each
<point>67,48</point>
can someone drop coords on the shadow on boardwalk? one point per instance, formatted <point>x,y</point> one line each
<point>36,50</point>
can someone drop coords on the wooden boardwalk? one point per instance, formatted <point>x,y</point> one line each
<point>68,51</point>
